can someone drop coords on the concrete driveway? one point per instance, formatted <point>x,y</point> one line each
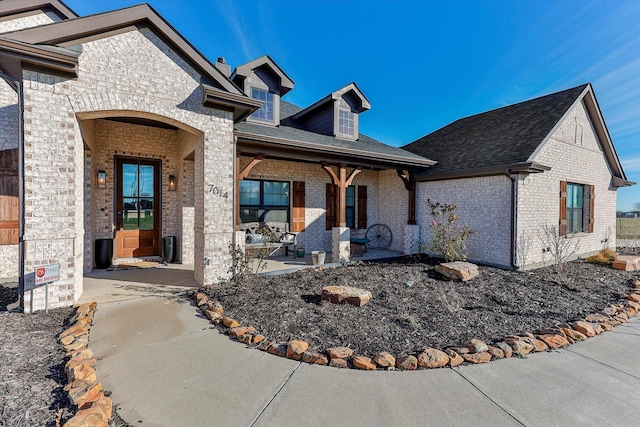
<point>167,366</point>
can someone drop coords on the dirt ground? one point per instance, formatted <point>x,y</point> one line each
<point>414,307</point>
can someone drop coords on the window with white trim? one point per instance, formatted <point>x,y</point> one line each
<point>266,111</point>
<point>346,122</point>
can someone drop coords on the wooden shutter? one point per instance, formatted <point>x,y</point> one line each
<point>362,206</point>
<point>591,200</point>
<point>331,206</point>
<point>9,197</point>
<point>297,216</point>
<point>563,208</point>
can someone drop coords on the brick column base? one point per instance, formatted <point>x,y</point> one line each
<point>411,239</point>
<point>341,244</point>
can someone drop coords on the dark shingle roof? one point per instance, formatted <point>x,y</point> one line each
<point>290,129</point>
<point>505,136</point>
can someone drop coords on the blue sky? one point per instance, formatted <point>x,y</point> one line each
<point>424,64</point>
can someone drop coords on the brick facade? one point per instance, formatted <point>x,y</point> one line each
<point>66,142</point>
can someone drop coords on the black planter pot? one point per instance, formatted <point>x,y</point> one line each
<point>103,253</point>
<point>169,249</point>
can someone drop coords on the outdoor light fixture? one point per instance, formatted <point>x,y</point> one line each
<point>172,183</point>
<point>102,179</point>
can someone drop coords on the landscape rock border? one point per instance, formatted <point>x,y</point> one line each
<point>83,388</point>
<point>472,352</point>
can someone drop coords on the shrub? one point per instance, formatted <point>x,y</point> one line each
<point>606,257</point>
<point>449,238</point>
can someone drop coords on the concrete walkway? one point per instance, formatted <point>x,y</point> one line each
<point>167,366</point>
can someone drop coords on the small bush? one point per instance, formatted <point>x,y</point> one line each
<point>606,257</point>
<point>449,238</point>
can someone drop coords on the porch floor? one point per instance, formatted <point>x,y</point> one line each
<point>288,264</point>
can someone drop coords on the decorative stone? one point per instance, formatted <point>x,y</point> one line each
<point>518,345</point>
<point>88,418</point>
<point>241,330</point>
<point>104,404</point>
<point>230,323</point>
<point>554,340</point>
<point>584,328</point>
<point>634,304</point>
<point>495,352</point>
<point>266,344</point>
<point>408,363</point>
<point>314,358</point>
<point>364,363</point>
<point>296,348</point>
<point>538,345</point>
<point>597,317</point>
<point>627,263</point>
<point>74,331</point>
<point>257,338</point>
<point>454,358</point>
<point>482,357</point>
<point>278,350</point>
<point>506,349</point>
<point>384,359</point>
<point>213,316</point>
<point>460,350</point>
<point>81,372</point>
<point>634,297</point>
<point>574,335</point>
<point>611,310</point>
<point>432,358</point>
<point>606,326</point>
<point>476,346</point>
<point>339,352</point>
<point>635,283</point>
<point>458,270</point>
<point>338,363</point>
<point>67,340</point>
<point>348,294</point>
<point>83,392</point>
<point>246,338</point>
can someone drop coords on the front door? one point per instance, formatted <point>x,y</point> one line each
<point>137,207</point>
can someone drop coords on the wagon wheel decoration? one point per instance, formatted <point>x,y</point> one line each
<point>379,236</point>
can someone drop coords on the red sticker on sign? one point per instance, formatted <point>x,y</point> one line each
<point>40,272</point>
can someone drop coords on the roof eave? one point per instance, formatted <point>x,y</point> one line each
<point>617,182</point>
<point>517,168</point>
<point>316,150</point>
<point>14,7</point>
<point>241,105</point>
<point>59,60</point>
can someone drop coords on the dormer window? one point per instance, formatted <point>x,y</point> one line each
<point>346,123</point>
<point>265,113</point>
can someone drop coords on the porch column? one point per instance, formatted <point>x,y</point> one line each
<point>341,236</point>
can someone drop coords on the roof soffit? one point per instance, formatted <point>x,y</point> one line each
<point>78,30</point>
<point>244,70</point>
<point>15,7</point>
<point>604,138</point>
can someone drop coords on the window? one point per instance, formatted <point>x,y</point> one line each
<point>332,204</point>
<point>575,195</point>
<point>264,201</point>
<point>576,208</point>
<point>346,122</point>
<point>265,113</point>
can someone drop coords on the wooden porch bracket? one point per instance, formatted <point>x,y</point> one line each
<point>342,182</point>
<point>410,185</point>
<point>242,175</point>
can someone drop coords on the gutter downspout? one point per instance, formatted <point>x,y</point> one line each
<point>514,214</point>
<point>17,86</point>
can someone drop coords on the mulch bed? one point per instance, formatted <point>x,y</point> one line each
<point>433,312</point>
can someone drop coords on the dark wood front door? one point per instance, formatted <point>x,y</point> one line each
<point>137,207</point>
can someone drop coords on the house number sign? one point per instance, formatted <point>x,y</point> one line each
<point>217,191</point>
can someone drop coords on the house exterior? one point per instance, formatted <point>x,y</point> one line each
<point>526,177</point>
<point>115,127</point>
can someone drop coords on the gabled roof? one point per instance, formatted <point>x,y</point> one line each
<point>508,137</point>
<point>244,70</point>
<point>351,88</point>
<point>80,30</point>
<point>291,140</point>
<point>16,7</point>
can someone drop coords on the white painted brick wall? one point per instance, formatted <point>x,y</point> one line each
<point>484,204</point>
<point>579,161</point>
<point>134,71</point>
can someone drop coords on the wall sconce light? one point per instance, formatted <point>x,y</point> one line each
<point>102,179</point>
<point>172,183</point>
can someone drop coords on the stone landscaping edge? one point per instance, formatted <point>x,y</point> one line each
<point>94,408</point>
<point>473,352</point>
